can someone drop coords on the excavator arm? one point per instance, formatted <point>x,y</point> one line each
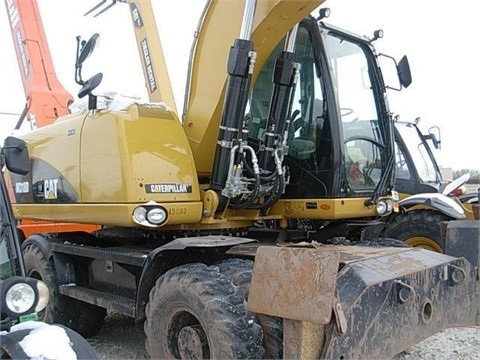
<point>46,97</point>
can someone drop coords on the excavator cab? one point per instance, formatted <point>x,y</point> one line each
<point>339,137</point>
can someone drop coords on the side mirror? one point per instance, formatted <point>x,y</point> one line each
<point>90,85</point>
<point>404,73</point>
<point>87,49</point>
<point>16,156</point>
<point>434,135</point>
<point>84,50</point>
<point>396,75</point>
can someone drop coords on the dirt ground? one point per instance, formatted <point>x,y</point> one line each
<point>122,338</point>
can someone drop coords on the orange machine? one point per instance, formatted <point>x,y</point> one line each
<point>46,97</point>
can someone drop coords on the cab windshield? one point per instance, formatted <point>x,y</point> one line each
<point>363,141</point>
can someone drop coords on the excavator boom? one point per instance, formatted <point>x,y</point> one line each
<point>206,87</point>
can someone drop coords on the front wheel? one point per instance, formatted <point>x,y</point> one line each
<point>195,312</point>
<point>240,272</point>
<point>419,228</point>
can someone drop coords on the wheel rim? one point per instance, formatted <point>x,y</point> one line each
<point>187,338</point>
<point>424,242</point>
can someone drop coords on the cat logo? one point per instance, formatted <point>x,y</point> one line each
<point>50,186</point>
<point>137,19</point>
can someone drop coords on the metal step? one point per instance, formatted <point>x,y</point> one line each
<point>109,301</point>
<point>120,255</point>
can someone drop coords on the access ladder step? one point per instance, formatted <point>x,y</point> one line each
<point>109,301</point>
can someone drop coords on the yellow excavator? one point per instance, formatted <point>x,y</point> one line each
<point>236,232</point>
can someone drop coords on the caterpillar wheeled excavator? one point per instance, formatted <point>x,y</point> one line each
<point>237,232</point>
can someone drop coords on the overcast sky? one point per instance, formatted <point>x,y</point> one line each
<point>440,39</point>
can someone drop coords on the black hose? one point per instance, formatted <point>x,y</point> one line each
<point>251,198</point>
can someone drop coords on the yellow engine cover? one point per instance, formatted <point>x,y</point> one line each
<point>97,168</point>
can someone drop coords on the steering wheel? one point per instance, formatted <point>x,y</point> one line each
<point>357,177</point>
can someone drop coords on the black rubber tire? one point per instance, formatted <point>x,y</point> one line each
<point>240,271</point>
<point>84,318</point>
<point>199,296</point>
<point>419,228</point>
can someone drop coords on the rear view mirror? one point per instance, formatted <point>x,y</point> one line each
<point>404,73</point>
<point>396,75</point>
<point>87,49</point>
<point>434,135</point>
<point>16,156</point>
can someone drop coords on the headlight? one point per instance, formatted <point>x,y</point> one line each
<point>156,216</point>
<point>140,215</point>
<point>23,296</point>
<point>20,298</point>
<point>384,207</point>
<point>150,214</point>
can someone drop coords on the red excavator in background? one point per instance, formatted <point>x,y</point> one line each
<point>46,98</point>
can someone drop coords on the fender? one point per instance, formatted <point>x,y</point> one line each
<point>64,266</point>
<point>43,241</point>
<point>177,252</point>
<point>437,201</point>
<point>446,189</point>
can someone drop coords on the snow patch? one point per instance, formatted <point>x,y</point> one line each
<point>45,341</point>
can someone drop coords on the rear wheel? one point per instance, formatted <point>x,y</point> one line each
<point>84,318</point>
<point>419,228</point>
<point>195,312</point>
<point>240,271</point>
